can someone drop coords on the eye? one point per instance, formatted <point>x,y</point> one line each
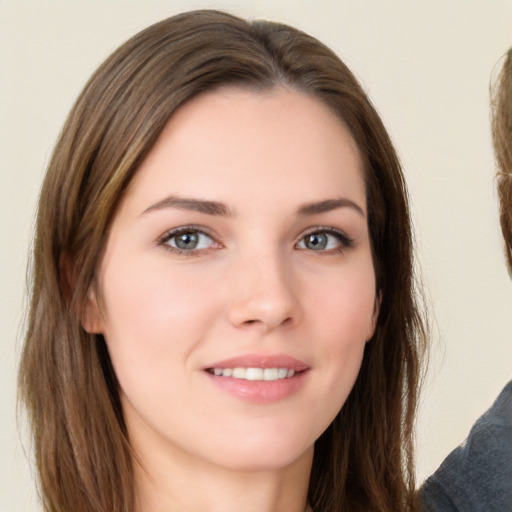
<point>187,239</point>
<point>326,239</point>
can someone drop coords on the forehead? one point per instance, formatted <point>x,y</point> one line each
<point>234,139</point>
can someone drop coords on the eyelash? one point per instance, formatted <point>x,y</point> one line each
<point>345,241</point>
<point>174,233</point>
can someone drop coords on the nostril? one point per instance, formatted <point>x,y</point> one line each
<point>250,322</point>
<point>286,322</point>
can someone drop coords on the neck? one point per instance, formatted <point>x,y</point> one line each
<point>172,484</point>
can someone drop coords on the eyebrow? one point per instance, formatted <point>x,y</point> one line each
<point>329,205</point>
<point>196,205</point>
<point>216,208</point>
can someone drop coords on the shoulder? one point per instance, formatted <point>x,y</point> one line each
<point>477,475</point>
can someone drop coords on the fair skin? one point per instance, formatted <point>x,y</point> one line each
<point>242,242</point>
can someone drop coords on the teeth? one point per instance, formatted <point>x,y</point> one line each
<point>270,374</point>
<point>239,373</point>
<point>255,373</point>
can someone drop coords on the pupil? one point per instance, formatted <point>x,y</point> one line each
<point>316,241</point>
<point>187,241</point>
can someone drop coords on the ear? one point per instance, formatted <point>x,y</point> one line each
<point>91,316</point>
<point>374,318</point>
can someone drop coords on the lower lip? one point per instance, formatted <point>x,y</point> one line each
<point>260,391</point>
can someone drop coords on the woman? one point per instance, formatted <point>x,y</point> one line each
<point>223,295</point>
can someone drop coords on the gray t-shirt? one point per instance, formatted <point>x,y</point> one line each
<point>477,475</point>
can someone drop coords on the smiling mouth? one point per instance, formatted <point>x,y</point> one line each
<point>259,378</point>
<point>255,374</point>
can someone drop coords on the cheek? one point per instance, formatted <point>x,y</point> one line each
<point>155,319</point>
<point>155,315</point>
<point>156,293</point>
<point>344,324</point>
<point>345,307</point>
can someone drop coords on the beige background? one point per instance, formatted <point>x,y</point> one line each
<point>427,67</point>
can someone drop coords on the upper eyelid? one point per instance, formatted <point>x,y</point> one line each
<point>344,241</point>
<point>171,233</point>
<point>325,229</point>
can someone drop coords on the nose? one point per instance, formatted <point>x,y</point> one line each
<point>264,294</point>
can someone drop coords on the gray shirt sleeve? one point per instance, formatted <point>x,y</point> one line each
<point>477,475</point>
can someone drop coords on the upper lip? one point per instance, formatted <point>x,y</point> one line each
<point>261,361</point>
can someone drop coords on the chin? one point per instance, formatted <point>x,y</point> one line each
<point>263,452</point>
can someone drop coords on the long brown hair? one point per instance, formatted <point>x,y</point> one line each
<point>364,460</point>
<point>501,109</point>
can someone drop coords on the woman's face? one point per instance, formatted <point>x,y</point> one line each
<point>237,291</point>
